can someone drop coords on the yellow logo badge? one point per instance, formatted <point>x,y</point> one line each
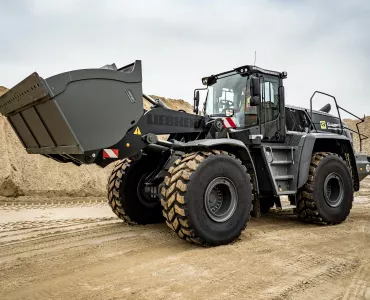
<point>323,124</point>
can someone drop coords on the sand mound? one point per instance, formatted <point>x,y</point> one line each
<point>24,174</point>
<point>364,129</point>
<point>175,104</point>
<point>2,90</point>
<point>35,175</point>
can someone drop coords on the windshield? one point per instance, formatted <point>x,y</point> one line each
<point>232,94</point>
<point>227,93</point>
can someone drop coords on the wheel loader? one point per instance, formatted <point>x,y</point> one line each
<point>230,160</point>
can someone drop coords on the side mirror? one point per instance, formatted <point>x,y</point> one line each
<point>255,101</point>
<point>196,102</point>
<point>256,87</point>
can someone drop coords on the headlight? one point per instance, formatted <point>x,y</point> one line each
<point>229,113</point>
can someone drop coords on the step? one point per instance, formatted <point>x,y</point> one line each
<point>286,193</point>
<point>288,209</point>
<point>280,147</point>
<point>281,162</point>
<point>284,177</point>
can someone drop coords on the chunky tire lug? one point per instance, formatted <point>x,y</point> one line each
<point>256,211</point>
<point>307,208</point>
<point>122,193</point>
<point>113,187</point>
<point>173,194</point>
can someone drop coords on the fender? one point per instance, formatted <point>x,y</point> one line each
<point>312,143</point>
<point>231,145</point>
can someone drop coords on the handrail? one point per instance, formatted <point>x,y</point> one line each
<point>340,119</point>
<point>336,104</point>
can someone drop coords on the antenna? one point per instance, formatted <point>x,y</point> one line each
<point>255,57</point>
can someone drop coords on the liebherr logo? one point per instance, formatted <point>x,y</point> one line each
<point>163,120</point>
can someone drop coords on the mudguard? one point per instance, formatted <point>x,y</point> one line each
<point>309,146</point>
<point>231,145</point>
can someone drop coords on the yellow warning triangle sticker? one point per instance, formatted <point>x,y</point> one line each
<point>137,131</point>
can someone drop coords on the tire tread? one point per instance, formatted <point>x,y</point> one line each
<point>113,188</point>
<point>307,210</point>
<point>173,190</point>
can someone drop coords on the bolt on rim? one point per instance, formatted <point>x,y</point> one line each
<point>144,194</point>
<point>220,199</point>
<point>333,190</point>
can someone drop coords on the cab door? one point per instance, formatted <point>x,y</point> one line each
<point>270,109</point>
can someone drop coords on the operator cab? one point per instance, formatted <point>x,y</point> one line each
<point>252,97</point>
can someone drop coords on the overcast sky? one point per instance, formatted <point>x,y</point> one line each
<point>323,45</point>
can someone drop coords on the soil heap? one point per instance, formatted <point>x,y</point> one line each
<point>364,129</point>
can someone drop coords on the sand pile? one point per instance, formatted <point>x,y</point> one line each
<point>24,174</point>
<point>175,104</point>
<point>364,129</point>
<point>35,175</point>
<point>2,90</point>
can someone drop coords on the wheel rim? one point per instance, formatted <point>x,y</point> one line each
<point>333,190</point>
<point>143,196</point>
<point>220,199</point>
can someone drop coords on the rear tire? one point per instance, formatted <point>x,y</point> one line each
<point>327,196</point>
<point>207,197</point>
<point>125,196</point>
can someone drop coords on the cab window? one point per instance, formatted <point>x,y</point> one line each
<point>251,112</point>
<point>270,99</point>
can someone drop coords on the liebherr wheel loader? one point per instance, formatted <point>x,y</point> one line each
<point>218,166</point>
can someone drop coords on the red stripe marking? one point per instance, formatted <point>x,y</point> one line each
<point>107,154</point>
<point>115,151</point>
<point>226,124</point>
<point>231,122</point>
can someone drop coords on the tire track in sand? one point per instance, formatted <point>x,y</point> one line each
<point>20,225</point>
<point>359,284</point>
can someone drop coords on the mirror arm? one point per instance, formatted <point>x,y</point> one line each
<point>196,108</point>
<point>197,98</point>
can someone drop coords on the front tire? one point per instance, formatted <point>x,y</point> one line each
<point>327,196</point>
<point>207,197</point>
<point>125,194</point>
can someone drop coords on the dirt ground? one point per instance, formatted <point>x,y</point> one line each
<point>75,248</point>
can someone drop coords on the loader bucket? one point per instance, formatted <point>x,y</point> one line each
<point>75,112</point>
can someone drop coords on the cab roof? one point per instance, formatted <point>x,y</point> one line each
<point>242,70</point>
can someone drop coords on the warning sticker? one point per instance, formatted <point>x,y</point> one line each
<point>137,131</point>
<point>323,124</point>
